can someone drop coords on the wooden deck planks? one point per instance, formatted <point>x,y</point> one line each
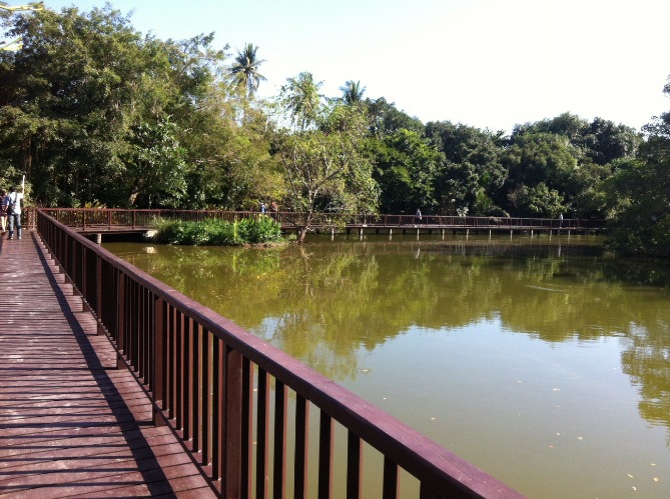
<point>71,424</point>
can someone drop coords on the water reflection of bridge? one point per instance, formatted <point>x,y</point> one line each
<point>99,221</point>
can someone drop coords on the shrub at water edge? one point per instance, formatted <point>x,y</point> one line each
<point>262,229</point>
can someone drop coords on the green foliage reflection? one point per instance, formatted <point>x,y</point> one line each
<point>328,304</point>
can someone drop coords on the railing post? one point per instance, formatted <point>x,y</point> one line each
<point>158,389</point>
<point>390,479</point>
<point>120,320</point>
<point>354,455</point>
<point>325,456</point>
<point>98,294</point>
<point>233,438</point>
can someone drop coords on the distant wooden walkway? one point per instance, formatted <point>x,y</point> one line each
<point>71,424</point>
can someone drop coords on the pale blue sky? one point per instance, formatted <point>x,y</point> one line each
<point>485,63</point>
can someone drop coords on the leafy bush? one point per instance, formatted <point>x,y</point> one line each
<point>218,232</point>
<point>259,230</point>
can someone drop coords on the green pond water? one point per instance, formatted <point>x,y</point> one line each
<point>541,360</point>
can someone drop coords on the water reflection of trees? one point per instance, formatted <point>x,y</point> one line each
<point>322,303</point>
<point>646,360</point>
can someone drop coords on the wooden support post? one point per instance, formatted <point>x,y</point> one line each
<point>98,295</point>
<point>120,319</point>
<point>159,361</point>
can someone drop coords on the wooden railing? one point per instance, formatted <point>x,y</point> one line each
<point>106,218</point>
<point>241,406</point>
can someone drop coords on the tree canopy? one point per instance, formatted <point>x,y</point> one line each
<point>94,113</point>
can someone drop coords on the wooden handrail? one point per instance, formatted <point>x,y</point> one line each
<point>91,218</point>
<point>212,382</point>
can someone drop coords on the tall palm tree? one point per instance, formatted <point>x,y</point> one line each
<point>302,99</point>
<point>352,92</point>
<point>245,70</point>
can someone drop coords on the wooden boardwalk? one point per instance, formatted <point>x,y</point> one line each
<point>71,424</point>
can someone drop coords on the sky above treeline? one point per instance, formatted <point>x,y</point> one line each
<point>484,63</point>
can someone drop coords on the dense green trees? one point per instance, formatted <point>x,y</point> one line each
<point>95,113</point>
<point>640,191</point>
<point>89,109</point>
<point>473,172</point>
<point>322,154</point>
<point>407,167</point>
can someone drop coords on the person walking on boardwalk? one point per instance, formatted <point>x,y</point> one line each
<point>4,202</point>
<point>14,212</point>
<point>417,216</point>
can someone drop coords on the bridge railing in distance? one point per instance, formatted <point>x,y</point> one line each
<point>108,219</point>
<point>259,422</point>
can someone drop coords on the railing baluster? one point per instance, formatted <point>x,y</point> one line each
<point>190,383</point>
<point>121,320</point>
<point>262,426</point>
<point>354,447</point>
<point>301,447</point>
<point>205,395</point>
<point>158,387</point>
<point>233,435</point>
<point>247,424</point>
<point>390,479</point>
<point>279,468</point>
<point>172,355</point>
<point>179,367</point>
<point>325,456</point>
<point>218,410</point>
<point>197,390</point>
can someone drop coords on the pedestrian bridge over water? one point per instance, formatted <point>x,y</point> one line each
<point>113,384</point>
<point>101,221</point>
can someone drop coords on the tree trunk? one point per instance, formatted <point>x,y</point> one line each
<point>307,218</point>
<point>302,234</point>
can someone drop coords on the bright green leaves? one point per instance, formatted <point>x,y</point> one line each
<point>640,195</point>
<point>407,167</point>
<point>324,166</point>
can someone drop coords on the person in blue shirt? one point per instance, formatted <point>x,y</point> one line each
<point>14,212</point>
